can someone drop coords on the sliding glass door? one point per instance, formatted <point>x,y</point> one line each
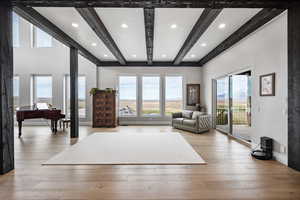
<point>241,106</point>
<point>233,105</point>
<point>222,104</point>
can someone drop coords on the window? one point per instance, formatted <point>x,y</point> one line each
<point>41,39</point>
<point>16,92</point>
<point>151,95</point>
<point>42,89</point>
<point>146,96</point>
<point>173,94</point>
<point>127,95</point>
<point>16,30</point>
<point>81,96</point>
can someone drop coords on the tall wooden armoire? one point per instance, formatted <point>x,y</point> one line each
<point>105,109</point>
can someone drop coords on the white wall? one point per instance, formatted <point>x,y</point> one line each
<point>109,79</point>
<point>264,52</point>
<point>48,61</point>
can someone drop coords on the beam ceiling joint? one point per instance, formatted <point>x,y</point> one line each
<point>203,22</point>
<point>93,20</point>
<point>260,19</point>
<point>35,18</point>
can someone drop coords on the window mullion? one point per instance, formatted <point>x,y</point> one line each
<point>162,96</point>
<point>139,96</point>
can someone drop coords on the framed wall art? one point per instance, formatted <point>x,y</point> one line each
<point>267,85</point>
<point>192,94</point>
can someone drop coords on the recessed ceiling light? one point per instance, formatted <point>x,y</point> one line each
<point>163,55</point>
<point>124,25</point>
<point>105,55</point>
<point>193,56</point>
<point>94,44</point>
<point>173,26</point>
<point>134,55</point>
<point>75,25</point>
<point>221,26</point>
<point>203,44</point>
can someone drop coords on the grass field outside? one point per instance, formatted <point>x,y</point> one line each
<point>149,107</point>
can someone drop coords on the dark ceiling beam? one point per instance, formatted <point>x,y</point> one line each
<point>260,19</point>
<point>35,18</point>
<point>203,22</point>
<point>160,3</point>
<point>149,32</point>
<point>145,64</point>
<point>93,20</point>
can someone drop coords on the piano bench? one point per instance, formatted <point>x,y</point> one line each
<point>65,123</point>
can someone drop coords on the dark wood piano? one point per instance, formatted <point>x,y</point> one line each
<point>34,112</point>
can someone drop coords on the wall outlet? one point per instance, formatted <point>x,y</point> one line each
<point>282,149</point>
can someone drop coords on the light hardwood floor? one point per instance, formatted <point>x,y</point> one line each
<point>230,173</point>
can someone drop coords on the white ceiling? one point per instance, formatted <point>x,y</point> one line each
<point>131,41</point>
<point>168,41</point>
<point>213,36</point>
<point>84,35</point>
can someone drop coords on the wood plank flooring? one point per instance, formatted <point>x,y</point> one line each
<point>230,173</point>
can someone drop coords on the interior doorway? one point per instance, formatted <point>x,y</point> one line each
<point>232,104</point>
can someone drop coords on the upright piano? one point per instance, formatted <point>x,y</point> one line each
<point>39,111</point>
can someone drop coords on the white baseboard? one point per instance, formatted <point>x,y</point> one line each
<point>280,157</point>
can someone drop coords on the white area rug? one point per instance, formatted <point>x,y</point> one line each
<point>129,149</point>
